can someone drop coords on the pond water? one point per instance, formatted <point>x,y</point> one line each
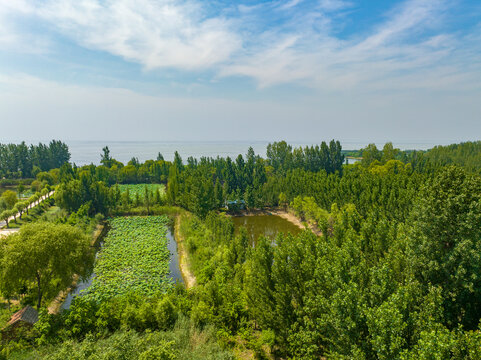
<point>267,225</point>
<point>174,268</point>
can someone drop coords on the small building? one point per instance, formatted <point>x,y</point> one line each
<point>24,318</point>
<point>235,205</point>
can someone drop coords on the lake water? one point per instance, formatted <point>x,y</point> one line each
<point>174,268</point>
<point>87,152</point>
<point>264,225</point>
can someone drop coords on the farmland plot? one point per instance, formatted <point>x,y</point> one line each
<point>134,257</point>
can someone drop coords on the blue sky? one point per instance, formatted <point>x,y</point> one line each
<point>301,70</point>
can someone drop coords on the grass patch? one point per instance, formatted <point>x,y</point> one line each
<point>184,342</point>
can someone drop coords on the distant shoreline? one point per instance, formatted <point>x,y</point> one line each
<point>87,152</point>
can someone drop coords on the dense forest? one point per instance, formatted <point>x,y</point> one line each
<point>394,274</point>
<point>22,161</point>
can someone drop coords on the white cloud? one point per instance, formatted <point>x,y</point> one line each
<point>12,36</point>
<point>411,16</point>
<point>303,49</point>
<point>153,33</point>
<point>333,5</point>
<point>394,54</point>
<point>289,4</point>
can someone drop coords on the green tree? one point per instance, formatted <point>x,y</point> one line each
<point>279,155</point>
<point>158,197</point>
<point>105,158</point>
<point>445,243</point>
<point>47,255</point>
<point>178,161</point>
<point>3,205</point>
<point>21,207</point>
<point>173,185</point>
<point>283,200</point>
<point>10,198</point>
<point>218,198</point>
<point>336,158</point>
<point>370,154</point>
<point>148,198</point>
<point>389,152</point>
<point>6,214</point>
<point>20,189</point>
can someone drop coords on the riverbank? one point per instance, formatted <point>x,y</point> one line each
<point>187,275</point>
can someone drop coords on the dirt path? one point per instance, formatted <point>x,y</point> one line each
<point>187,275</point>
<point>30,206</point>
<point>289,216</point>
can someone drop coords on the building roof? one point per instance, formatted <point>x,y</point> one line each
<point>28,314</point>
<point>231,202</point>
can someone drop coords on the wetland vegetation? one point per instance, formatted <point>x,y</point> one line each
<point>393,272</point>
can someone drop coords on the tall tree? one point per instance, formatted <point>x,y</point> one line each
<point>389,152</point>
<point>10,198</point>
<point>173,185</point>
<point>105,158</point>
<point>279,155</point>
<point>445,243</point>
<point>370,154</point>
<point>178,162</point>
<point>47,255</point>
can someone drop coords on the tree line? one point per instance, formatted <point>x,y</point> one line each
<point>465,154</point>
<point>22,161</point>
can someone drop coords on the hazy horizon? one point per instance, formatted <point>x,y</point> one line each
<point>87,152</point>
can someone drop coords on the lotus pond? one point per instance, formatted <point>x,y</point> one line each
<point>134,256</point>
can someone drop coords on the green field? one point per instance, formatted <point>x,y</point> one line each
<point>135,189</point>
<point>134,257</point>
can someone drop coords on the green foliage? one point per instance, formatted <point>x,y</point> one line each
<point>183,342</point>
<point>466,154</point>
<point>75,193</point>
<point>21,161</point>
<point>10,198</point>
<point>282,157</point>
<point>395,275</point>
<point>445,243</point>
<point>139,189</point>
<point>45,256</point>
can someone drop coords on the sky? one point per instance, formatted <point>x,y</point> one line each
<point>195,70</point>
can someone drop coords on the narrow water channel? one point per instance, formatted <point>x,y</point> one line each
<point>174,268</point>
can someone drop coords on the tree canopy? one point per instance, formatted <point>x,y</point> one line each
<point>44,256</point>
